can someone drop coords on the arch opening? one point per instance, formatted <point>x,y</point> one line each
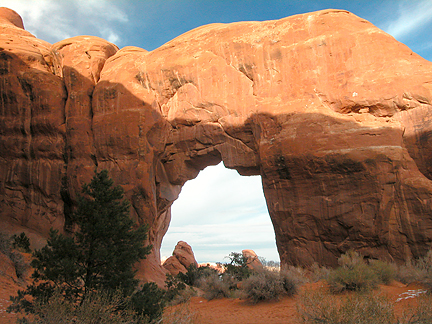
<point>220,212</point>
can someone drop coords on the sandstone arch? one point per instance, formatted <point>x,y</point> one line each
<point>333,113</point>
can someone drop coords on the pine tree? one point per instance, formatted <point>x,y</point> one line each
<point>99,256</point>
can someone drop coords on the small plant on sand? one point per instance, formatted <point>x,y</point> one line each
<point>21,242</point>
<point>353,274</point>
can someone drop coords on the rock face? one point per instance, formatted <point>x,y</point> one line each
<point>182,258</point>
<point>333,113</point>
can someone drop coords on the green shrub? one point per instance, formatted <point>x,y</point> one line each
<point>194,273</point>
<point>98,257</point>
<point>264,285</point>
<point>237,267</point>
<point>385,271</point>
<point>21,242</point>
<point>214,286</point>
<point>148,302</point>
<point>319,306</point>
<point>353,274</point>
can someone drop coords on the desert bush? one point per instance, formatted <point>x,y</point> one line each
<point>320,306</point>
<point>21,242</point>
<point>318,272</point>
<point>174,287</point>
<point>237,267</point>
<point>385,271</point>
<point>292,278</point>
<point>101,308</point>
<point>353,274</point>
<point>419,270</point>
<point>148,302</point>
<point>214,286</point>
<point>194,273</point>
<point>264,285</point>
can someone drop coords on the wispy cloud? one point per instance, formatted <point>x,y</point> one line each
<point>55,20</point>
<point>410,16</point>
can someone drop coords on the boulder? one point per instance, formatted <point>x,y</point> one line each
<point>182,258</point>
<point>253,262</point>
<point>333,113</point>
<point>173,266</point>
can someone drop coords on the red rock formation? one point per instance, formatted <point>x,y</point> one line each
<point>253,262</point>
<point>333,113</point>
<point>182,258</point>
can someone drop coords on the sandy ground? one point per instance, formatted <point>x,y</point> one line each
<point>230,311</point>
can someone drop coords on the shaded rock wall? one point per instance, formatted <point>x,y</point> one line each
<point>333,113</point>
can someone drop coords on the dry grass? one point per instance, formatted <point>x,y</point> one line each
<point>181,314</point>
<point>320,306</point>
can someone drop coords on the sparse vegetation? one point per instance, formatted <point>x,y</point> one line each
<point>320,306</point>
<point>417,271</point>
<point>21,242</point>
<point>101,308</point>
<point>264,285</point>
<point>237,267</point>
<point>214,286</point>
<point>385,271</point>
<point>353,274</point>
<point>194,274</point>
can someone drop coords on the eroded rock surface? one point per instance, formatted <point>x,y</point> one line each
<point>181,259</point>
<point>333,113</point>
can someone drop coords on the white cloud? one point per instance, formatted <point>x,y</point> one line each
<point>55,20</point>
<point>411,16</point>
<point>221,212</point>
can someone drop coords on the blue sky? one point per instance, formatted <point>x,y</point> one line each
<point>220,211</point>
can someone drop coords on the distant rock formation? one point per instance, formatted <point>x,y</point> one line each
<point>253,262</point>
<point>182,258</point>
<point>333,113</point>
